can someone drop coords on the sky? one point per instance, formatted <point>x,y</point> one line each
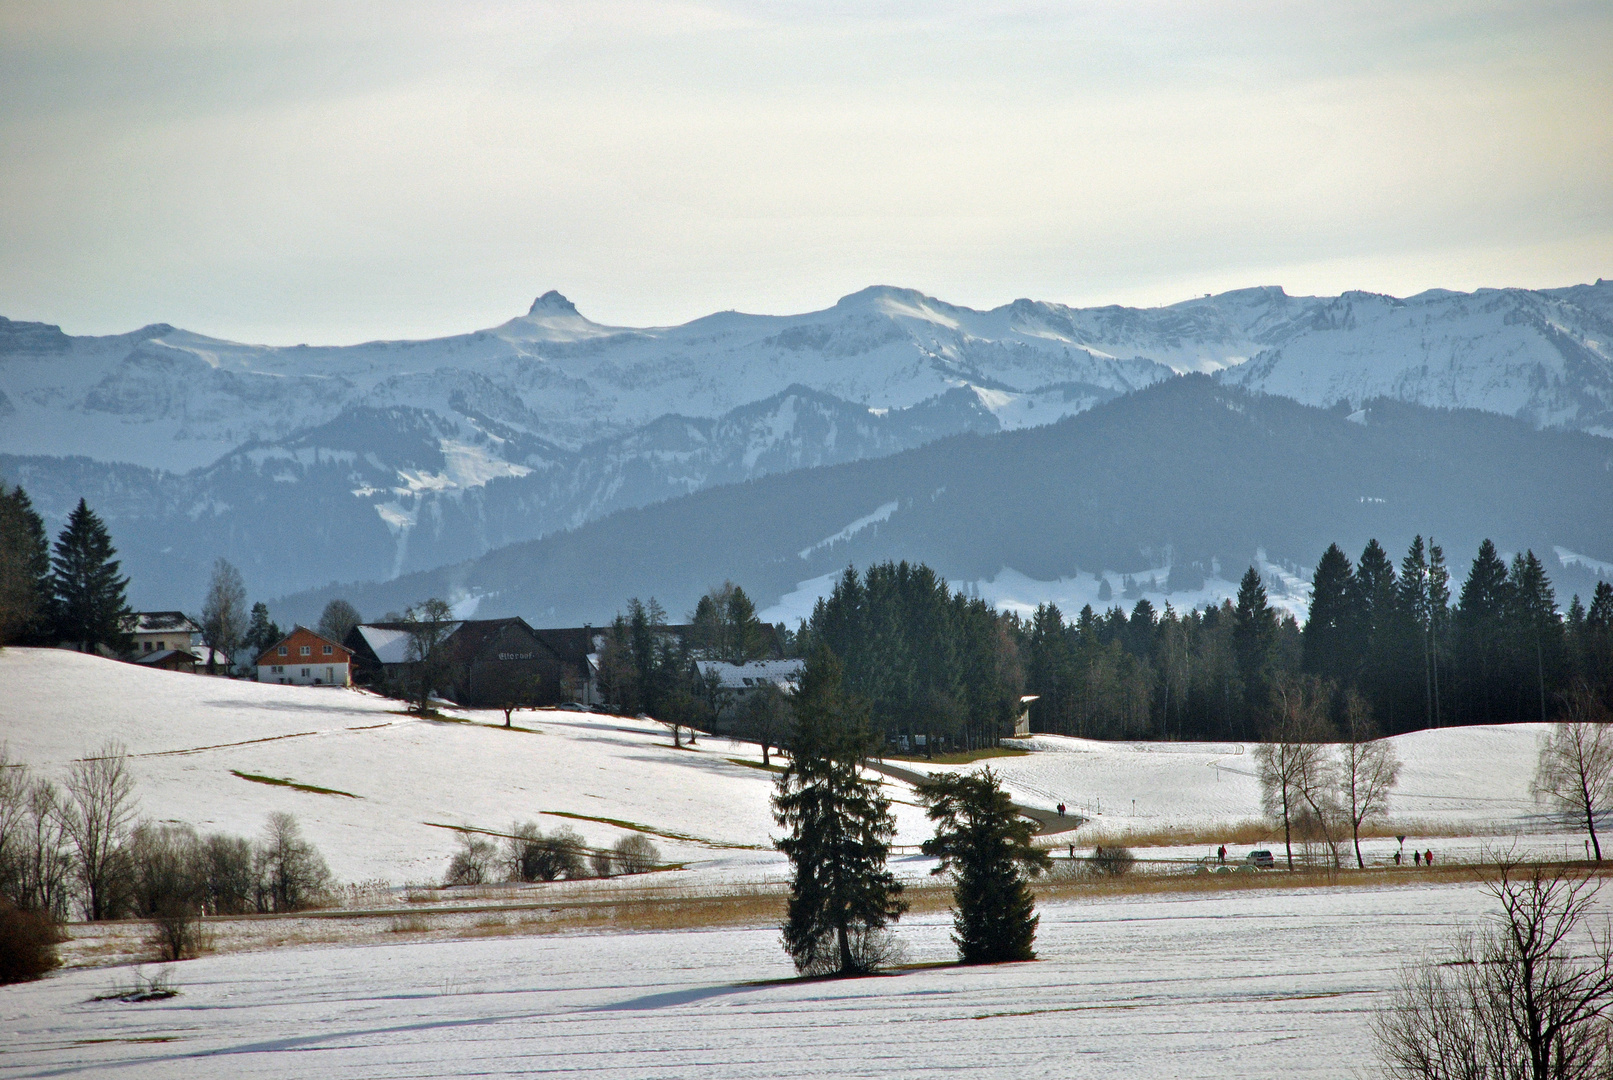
<point>286,172</point>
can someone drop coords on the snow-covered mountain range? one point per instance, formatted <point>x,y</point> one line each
<point>390,457</point>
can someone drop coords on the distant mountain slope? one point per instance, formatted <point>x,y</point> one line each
<point>380,459</point>
<point>1545,357</point>
<point>377,492</point>
<point>175,400</point>
<point>1187,476</point>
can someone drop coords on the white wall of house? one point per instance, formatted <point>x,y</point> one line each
<point>306,673</point>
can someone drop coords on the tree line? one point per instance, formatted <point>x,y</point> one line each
<point>1500,653</point>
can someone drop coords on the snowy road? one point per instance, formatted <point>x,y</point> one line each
<point>1262,984</point>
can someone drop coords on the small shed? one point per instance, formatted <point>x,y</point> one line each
<point>169,660</point>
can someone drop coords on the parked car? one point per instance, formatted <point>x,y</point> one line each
<point>1261,859</point>
<point>572,706</point>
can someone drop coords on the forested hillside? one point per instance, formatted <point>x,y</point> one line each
<point>1181,482</point>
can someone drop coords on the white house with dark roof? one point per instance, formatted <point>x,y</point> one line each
<point>739,681</point>
<point>163,631</point>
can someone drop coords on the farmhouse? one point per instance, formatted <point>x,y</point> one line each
<point>738,682</point>
<point>578,650</point>
<point>162,631</point>
<point>480,663</point>
<point>303,658</point>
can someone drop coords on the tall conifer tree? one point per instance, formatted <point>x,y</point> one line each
<point>89,605</point>
<point>1327,635</point>
<point>840,828</point>
<point>1480,626</point>
<point>24,568</point>
<point>987,848</point>
<point>1254,630</point>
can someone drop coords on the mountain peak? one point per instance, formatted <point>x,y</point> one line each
<point>552,303</point>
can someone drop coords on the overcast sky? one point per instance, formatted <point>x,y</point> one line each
<point>285,172</point>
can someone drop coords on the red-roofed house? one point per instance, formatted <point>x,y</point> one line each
<point>303,658</point>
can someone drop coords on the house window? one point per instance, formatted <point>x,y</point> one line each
<point>330,674</point>
<point>147,644</point>
<point>304,651</point>
<point>282,650</point>
<point>328,650</point>
<point>305,673</point>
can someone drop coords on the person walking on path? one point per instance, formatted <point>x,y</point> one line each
<point>1221,854</point>
<point>1397,858</point>
<point>1417,855</point>
<point>1061,809</point>
<point>1428,857</point>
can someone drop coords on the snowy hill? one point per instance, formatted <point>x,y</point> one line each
<point>394,781</point>
<point>190,735</point>
<point>413,454</point>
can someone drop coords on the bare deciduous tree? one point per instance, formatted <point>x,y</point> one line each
<point>224,614</point>
<point>338,618</point>
<point>293,874</point>
<point>429,625</point>
<point>767,719</point>
<point>1527,997</point>
<point>635,854</point>
<point>1368,770</point>
<point>96,816</point>
<point>473,863</point>
<point>1291,761</point>
<point>1575,771</point>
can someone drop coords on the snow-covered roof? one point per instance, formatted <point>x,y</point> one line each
<point>158,622</point>
<point>780,673</point>
<point>389,646</point>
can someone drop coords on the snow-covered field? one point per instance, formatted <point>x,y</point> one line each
<point>404,777</point>
<point>407,778</point>
<point>1264,984</point>
<point>1217,982</point>
<point>1454,780</point>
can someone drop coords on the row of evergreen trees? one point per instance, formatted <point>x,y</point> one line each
<point>927,661</point>
<point>1502,653</point>
<point>71,592</point>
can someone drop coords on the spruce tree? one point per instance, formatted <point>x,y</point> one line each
<point>262,631</point>
<point>89,605</point>
<point>1536,630</point>
<point>1326,637</point>
<point>1254,630</point>
<point>840,828</point>
<point>1480,627</point>
<point>24,568</point>
<point>744,628</point>
<point>987,848</point>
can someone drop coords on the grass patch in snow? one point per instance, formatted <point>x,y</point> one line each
<point>634,826</point>
<point>755,765</point>
<point>279,782</point>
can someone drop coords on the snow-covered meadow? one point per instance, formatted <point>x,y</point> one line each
<point>1265,984</point>
<point>406,783</point>
<point>1211,981</point>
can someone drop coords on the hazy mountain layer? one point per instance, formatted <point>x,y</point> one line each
<point>1183,480</point>
<point>381,459</point>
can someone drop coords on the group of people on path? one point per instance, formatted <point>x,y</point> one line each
<point>1422,858</point>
